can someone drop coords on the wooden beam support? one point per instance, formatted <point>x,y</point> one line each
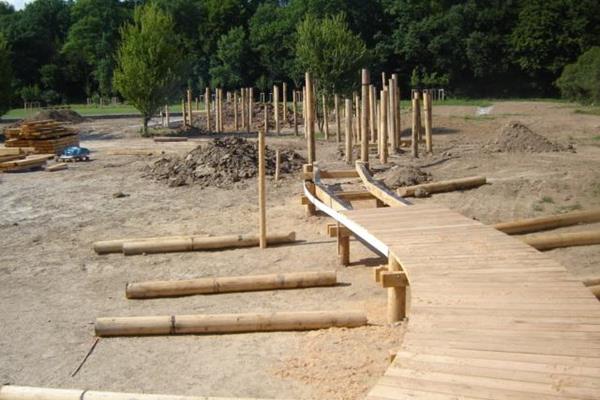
<point>397,295</point>
<point>377,189</point>
<point>392,279</point>
<point>335,174</point>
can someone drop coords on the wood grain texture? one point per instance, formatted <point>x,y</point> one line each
<point>490,317</point>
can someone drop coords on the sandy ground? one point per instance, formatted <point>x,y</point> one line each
<point>54,285</point>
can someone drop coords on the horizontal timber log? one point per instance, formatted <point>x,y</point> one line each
<point>548,242</point>
<point>227,323</point>
<point>147,290</point>
<point>202,243</point>
<point>341,174</point>
<point>444,186</point>
<point>550,222</point>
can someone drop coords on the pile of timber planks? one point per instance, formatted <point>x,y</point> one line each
<point>19,159</point>
<point>47,136</point>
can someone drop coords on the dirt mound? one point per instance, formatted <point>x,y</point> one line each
<point>221,163</point>
<point>399,176</point>
<point>517,137</point>
<point>58,115</point>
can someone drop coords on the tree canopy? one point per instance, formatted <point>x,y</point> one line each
<point>67,48</point>
<point>149,61</point>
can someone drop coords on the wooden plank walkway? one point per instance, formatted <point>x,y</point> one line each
<point>491,318</point>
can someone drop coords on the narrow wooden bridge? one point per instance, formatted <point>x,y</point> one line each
<point>488,317</point>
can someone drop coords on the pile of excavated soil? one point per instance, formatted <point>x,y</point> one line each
<point>58,115</point>
<point>399,176</point>
<point>516,137</point>
<point>221,163</point>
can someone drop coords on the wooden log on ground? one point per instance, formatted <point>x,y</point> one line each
<point>554,221</point>
<point>57,167</point>
<point>149,290</point>
<point>201,243</point>
<point>555,241</point>
<point>116,245</point>
<point>10,392</point>
<point>444,186</point>
<point>165,139</point>
<point>228,323</point>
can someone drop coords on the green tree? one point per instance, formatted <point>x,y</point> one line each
<point>580,81</point>
<point>331,52</point>
<point>149,61</point>
<point>231,60</point>
<point>92,40</point>
<point>551,33</point>
<point>5,76</point>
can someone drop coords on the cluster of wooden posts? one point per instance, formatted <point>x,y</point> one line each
<point>375,121</point>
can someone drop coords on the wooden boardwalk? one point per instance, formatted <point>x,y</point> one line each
<point>490,317</point>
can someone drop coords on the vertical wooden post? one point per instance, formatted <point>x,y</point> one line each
<point>364,118</point>
<point>250,107</point>
<point>284,101</point>
<point>325,118</point>
<point>372,121</point>
<point>348,131</point>
<point>357,133</point>
<point>419,117</point>
<point>295,112</point>
<point>167,116</point>
<point>266,118</point>
<point>392,131</point>
<point>276,109</point>
<point>189,104</point>
<point>277,164</point>
<point>343,248</point>
<point>397,296</point>
<point>383,80</point>
<point>307,169</point>
<point>207,106</point>
<point>183,116</point>
<point>397,109</point>
<point>197,104</point>
<point>415,126</point>
<point>383,133</point>
<point>236,126</point>
<point>428,122</point>
<point>243,106</point>
<point>310,127</point>
<point>304,113</point>
<point>336,104</point>
<point>262,207</point>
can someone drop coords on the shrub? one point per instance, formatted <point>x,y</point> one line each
<point>581,81</point>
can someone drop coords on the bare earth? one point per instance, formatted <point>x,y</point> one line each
<point>54,285</point>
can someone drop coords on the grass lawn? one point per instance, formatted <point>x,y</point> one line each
<point>588,110</point>
<point>93,110</point>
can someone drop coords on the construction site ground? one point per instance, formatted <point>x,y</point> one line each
<point>54,285</point>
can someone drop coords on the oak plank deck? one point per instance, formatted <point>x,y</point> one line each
<point>490,317</point>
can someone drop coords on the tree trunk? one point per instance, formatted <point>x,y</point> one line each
<point>145,126</point>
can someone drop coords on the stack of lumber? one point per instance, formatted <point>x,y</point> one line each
<point>47,136</point>
<point>23,162</point>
